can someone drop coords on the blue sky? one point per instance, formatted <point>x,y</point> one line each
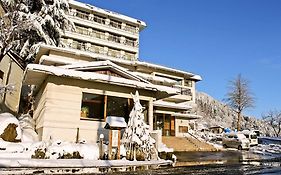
<point>217,39</point>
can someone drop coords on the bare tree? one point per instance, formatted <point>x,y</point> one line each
<point>239,97</point>
<point>25,24</point>
<point>273,118</point>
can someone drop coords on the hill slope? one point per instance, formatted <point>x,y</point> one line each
<point>216,113</point>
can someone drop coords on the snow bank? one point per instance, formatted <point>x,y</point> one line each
<point>55,150</point>
<point>163,148</point>
<point>86,151</point>
<point>5,120</point>
<point>272,150</point>
<point>27,125</point>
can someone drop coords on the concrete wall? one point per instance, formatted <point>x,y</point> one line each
<point>181,122</point>
<point>13,75</point>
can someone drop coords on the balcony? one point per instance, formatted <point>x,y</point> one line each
<point>102,21</point>
<point>184,96</point>
<point>99,50</point>
<point>95,34</point>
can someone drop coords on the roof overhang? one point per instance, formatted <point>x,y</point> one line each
<point>164,104</point>
<point>36,74</point>
<point>98,65</point>
<point>181,115</point>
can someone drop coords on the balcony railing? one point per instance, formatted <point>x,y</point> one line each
<point>101,20</point>
<point>98,49</point>
<point>184,91</point>
<point>101,35</point>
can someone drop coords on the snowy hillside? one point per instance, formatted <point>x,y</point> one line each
<point>217,113</point>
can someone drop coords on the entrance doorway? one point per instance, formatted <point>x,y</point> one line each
<point>166,123</point>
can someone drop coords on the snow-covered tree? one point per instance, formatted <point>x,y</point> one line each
<point>136,138</point>
<point>25,24</point>
<point>273,118</point>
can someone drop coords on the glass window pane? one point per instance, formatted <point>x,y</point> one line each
<point>92,106</point>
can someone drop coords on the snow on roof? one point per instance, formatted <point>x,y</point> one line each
<point>44,50</point>
<point>177,114</point>
<point>115,122</point>
<point>109,13</point>
<point>217,126</point>
<point>103,64</point>
<point>154,78</point>
<point>161,103</point>
<point>50,60</point>
<point>35,74</point>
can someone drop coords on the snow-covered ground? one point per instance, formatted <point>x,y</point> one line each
<point>267,151</point>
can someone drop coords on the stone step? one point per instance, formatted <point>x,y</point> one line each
<point>187,144</point>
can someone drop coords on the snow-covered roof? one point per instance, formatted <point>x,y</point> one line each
<point>35,74</point>
<point>155,78</point>
<point>45,49</point>
<point>142,24</point>
<point>217,126</point>
<point>115,122</point>
<point>165,104</point>
<point>97,65</point>
<point>177,114</point>
<point>189,116</point>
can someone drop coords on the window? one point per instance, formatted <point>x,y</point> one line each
<point>1,74</point>
<point>92,106</point>
<point>97,107</point>
<point>188,83</point>
<point>99,19</point>
<point>115,24</point>
<point>119,107</point>
<point>82,14</point>
<point>130,28</point>
<point>183,129</point>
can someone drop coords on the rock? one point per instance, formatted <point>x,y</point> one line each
<point>9,128</point>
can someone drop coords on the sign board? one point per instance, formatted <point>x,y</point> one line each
<point>115,138</point>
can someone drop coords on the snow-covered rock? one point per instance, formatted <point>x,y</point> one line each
<point>9,127</point>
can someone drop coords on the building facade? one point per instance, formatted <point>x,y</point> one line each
<point>93,75</point>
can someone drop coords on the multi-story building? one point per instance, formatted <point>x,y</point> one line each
<point>95,72</point>
<point>103,32</point>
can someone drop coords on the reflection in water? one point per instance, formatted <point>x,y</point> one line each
<point>222,157</point>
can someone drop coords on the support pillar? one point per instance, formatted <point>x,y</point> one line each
<point>150,114</point>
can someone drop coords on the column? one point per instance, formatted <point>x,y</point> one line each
<point>150,114</point>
